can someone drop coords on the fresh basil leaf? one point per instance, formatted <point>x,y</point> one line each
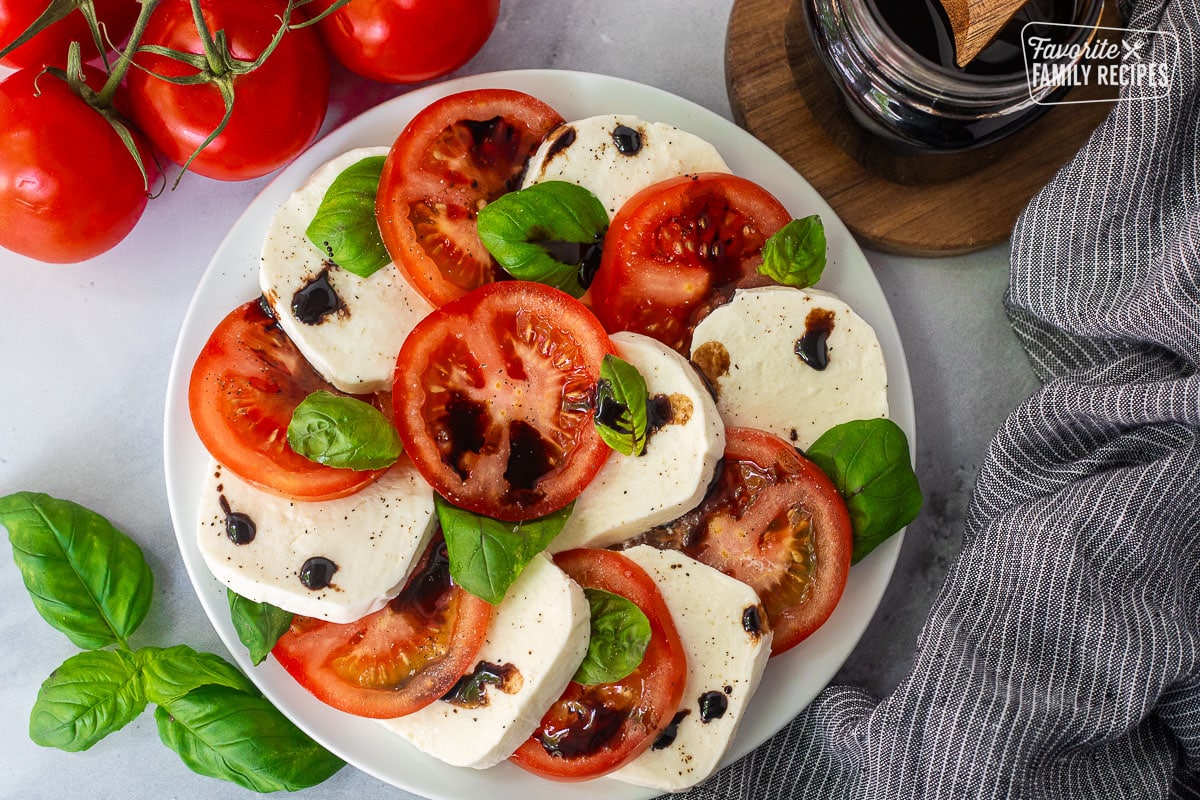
<point>869,462</point>
<point>488,555</point>
<point>238,736</point>
<point>341,431</point>
<point>258,625</point>
<point>170,673</point>
<point>85,577</point>
<point>515,226</point>
<point>621,398</point>
<point>344,227</point>
<point>92,694</point>
<point>795,255</point>
<point>620,635</point>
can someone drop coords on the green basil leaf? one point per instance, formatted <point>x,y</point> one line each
<point>236,736</point>
<point>869,462</point>
<point>621,398</point>
<point>620,635</point>
<point>341,431</point>
<point>516,227</point>
<point>85,577</point>
<point>170,673</point>
<point>795,255</point>
<point>91,695</point>
<point>258,625</point>
<point>487,555</point>
<point>344,227</point>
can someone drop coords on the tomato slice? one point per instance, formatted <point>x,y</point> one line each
<point>592,730</point>
<point>775,521</point>
<point>674,243</point>
<point>493,399</point>
<point>399,659</point>
<point>454,157</point>
<point>245,384</point>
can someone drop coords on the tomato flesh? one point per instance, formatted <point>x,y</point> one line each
<point>493,399</point>
<point>592,730</point>
<point>454,157</point>
<point>244,386</point>
<point>676,242</point>
<point>775,521</point>
<point>397,660</point>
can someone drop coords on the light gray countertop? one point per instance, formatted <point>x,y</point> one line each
<point>86,349</point>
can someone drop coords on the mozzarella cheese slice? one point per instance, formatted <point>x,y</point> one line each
<point>537,638</point>
<point>617,155</point>
<point>790,361</point>
<point>632,494</point>
<point>353,344</point>
<point>716,617</point>
<point>365,545</point>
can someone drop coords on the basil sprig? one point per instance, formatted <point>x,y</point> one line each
<point>621,397</point>
<point>258,625</point>
<point>515,226</point>
<point>795,255</point>
<point>344,227</point>
<point>90,581</point>
<point>868,460</point>
<point>620,634</point>
<point>488,555</point>
<point>341,431</point>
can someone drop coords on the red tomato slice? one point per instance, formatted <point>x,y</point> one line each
<point>674,243</point>
<point>245,384</point>
<point>773,520</point>
<point>493,399</point>
<point>454,157</point>
<point>592,730</point>
<point>397,660</point>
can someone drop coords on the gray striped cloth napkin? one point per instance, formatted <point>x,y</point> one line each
<point>1061,658</point>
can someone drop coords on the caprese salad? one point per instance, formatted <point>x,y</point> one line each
<point>539,443</point>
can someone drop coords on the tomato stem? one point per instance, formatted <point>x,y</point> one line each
<point>125,59</point>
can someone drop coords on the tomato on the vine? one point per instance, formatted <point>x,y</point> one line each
<point>676,242</point>
<point>69,188</point>
<point>278,107</point>
<point>405,41</point>
<point>594,729</point>
<point>399,659</point>
<point>49,46</point>
<point>458,154</point>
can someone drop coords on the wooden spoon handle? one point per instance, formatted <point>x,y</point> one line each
<point>976,22</point>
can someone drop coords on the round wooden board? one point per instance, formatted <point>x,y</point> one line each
<point>960,216</point>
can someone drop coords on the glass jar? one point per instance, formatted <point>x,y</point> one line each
<point>905,114</point>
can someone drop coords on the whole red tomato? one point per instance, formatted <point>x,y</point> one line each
<point>50,45</point>
<point>405,41</point>
<point>69,190</point>
<point>278,107</point>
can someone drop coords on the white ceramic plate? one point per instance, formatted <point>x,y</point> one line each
<point>791,681</point>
